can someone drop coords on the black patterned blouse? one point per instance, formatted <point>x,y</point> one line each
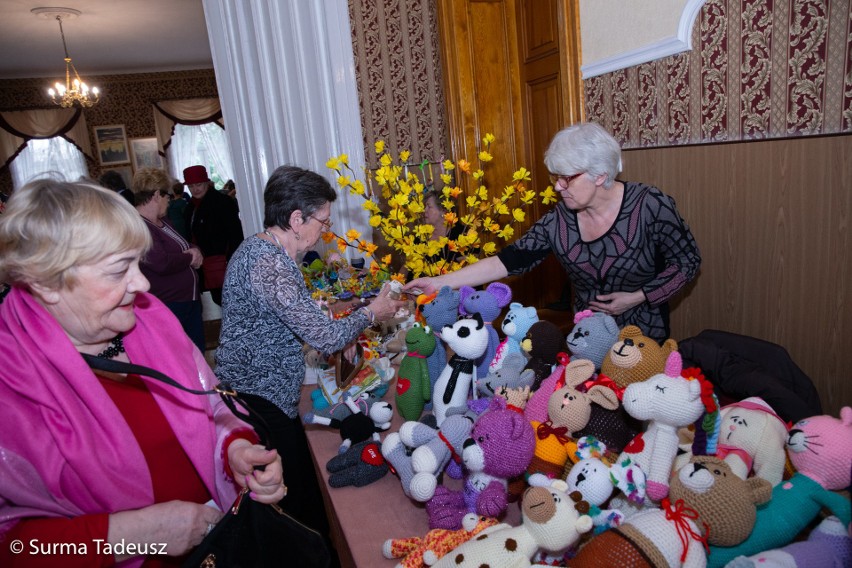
<point>267,312</point>
<point>649,247</point>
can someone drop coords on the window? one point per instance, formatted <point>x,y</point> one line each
<point>204,144</point>
<point>54,157</point>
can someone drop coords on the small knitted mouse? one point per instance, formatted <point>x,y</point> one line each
<point>413,388</point>
<point>593,335</point>
<point>488,303</point>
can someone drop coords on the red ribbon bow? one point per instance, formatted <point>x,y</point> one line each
<point>603,381</point>
<point>545,429</point>
<point>679,513</point>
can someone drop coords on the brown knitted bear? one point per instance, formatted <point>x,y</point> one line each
<point>707,503</point>
<point>635,357</point>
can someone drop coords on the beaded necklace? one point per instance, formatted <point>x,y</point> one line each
<point>115,348</point>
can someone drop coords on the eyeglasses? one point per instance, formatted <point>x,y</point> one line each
<point>165,194</point>
<point>562,179</point>
<point>327,222</point>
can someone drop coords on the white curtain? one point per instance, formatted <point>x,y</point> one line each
<point>52,157</point>
<point>17,127</point>
<point>204,144</point>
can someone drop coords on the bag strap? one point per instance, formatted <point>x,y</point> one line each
<point>228,395</point>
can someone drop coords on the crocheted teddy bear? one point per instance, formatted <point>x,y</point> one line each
<point>752,437</point>
<point>515,325</point>
<point>413,388</point>
<point>419,453</point>
<point>635,357</point>
<point>542,344</point>
<point>551,520</point>
<point>468,338</point>
<point>707,503</point>
<point>593,335</point>
<point>500,447</point>
<point>360,465</point>
<point>669,402</point>
<point>417,552</point>
<point>488,303</point>
<point>442,311</point>
<point>820,448</point>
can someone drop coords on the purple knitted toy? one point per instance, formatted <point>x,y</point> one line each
<point>501,447</point>
<point>488,303</point>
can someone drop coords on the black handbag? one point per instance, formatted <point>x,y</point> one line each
<point>251,534</point>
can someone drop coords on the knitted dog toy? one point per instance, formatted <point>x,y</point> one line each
<point>357,426</point>
<point>417,552</point>
<point>488,303</point>
<point>552,520</point>
<point>593,335</point>
<point>418,470</point>
<point>820,448</point>
<point>669,402</point>
<point>542,343</point>
<point>442,311</point>
<point>707,503</point>
<point>500,447</point>
<point>413,388</point>
<point>828,546</point>
<point>515,325</point>
<point>752,438</point>
<point>468,338</point>
<point>635,357</point>
<point>360,465</point>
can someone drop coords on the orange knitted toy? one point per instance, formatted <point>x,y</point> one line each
<point>417,552</point>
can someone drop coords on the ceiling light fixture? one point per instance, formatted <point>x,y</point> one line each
<point>74,91</point>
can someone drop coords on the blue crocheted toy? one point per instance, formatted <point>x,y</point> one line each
<point>593,335</point>
<point>441,311</point>
<point>515,325</point>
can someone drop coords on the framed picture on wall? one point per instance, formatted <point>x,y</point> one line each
<point>126,174</point>
<point>145,154</point>
<point>112,144</point>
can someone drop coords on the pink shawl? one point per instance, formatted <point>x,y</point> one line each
<point>65,450</point>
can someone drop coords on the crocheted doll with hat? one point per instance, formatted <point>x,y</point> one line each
<point>514,326</point>
<point>488,303</point>
<point>635,357</point>
<point>551,520</point>
<point>413,389</point>
<point>468,338</point>
<point>707,505</point>
<point>542,344</point>
<point>442,311</point>
<point>820,448</point>
<point>752,438</point>
<point>417,552</point>
<point>593,335</point>
<point>419,453</point>
<point>500,447</point>
<point>361,464</point>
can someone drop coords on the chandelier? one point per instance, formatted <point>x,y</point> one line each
<point>75,90</point>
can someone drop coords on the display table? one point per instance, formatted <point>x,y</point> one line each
<point>362,518</point>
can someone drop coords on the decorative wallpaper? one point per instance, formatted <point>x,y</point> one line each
<point>757,69</point>
<point>398,69</point>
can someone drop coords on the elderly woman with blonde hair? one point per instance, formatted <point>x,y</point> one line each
<point>93,459</point>
<point>171,262</point>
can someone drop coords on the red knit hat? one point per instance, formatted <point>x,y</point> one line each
<point>195,174</point>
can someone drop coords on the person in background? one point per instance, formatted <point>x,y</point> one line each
<point>625,247</point>
<point>90,454</point>
<point>111,179</point>
<point>171,263</point>
<point>177,205</point>
<point>268,312</point>
<point>214,225</point>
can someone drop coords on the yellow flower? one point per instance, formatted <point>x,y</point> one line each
<point>353,235</point>
<point>379,146</point>
<point>464,166</point>
<point>485,156</point>
<point>446,178</point>
<point>433,248</point>
<point>472,201</point>
<point>508,192</point>
<point>501,209</point>
<point>506,233</point>
<point>448,205</point>
<point>343,181</point>
<point>344,159</point>
<point>519,215</point>
<point>455,192</point>
<point>482,193</point>
<point>548,196</point>
<point>521,175</point>
<point>386,160</point>
<point>375,268</point>
<point>375,221</point>
<point>449,165</point>
<point>528,196</point>
<point>386,259</point>
<point>477,175</point>
<point>489,248</point>
<point>404,155</point>
<point>357,187</point>
<point>341,245</point>
<point>333,163</point>
<point>328,237</point>
<point>488,140</point>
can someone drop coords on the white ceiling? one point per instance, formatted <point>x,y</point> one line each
<point>109,37</point>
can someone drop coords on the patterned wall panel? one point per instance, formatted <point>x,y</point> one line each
<point>398,68</point>
<point>758,69</point>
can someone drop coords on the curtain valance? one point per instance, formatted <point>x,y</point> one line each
<point>184,111</point>
<point>18,127</point>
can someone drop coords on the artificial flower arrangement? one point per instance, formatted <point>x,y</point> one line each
<point>333,278</point>
<point>396,208</point>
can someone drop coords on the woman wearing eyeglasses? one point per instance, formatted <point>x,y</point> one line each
<point>625,247</point>
<point>268,312</point>
<point>170,265</point>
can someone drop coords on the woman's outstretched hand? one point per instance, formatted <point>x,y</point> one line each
<point>425,285</point>
<point>384,307</point>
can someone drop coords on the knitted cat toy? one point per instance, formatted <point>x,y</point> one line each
<point>707,504</point>
<point>542,344</point>
<point>500,447</point>
<point>752,438</point>
<point>514,326</point>
<point>551,520</point>
<point>417,552</point>
<point>593,335</point>
<point>413,388</point>
<point>635,357</point>
<point>442,311</point>
<point>468,338</point>
<point>488,303</point>
<point>820,448</point>
<point>669,402</point>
